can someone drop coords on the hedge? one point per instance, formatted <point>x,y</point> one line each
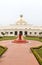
<point>4,49</point>
<point>39,59</point>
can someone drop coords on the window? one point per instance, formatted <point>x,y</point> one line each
<point>11,32</point>
<point>40,33</point>
<point>29,28</point>
<point>2,33</point>
<point>6,32</point>
<point>35,32</point>
<point>15,32</point>
<point>30,32</point>
<point>25,32</point>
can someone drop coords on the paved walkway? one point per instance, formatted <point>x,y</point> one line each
<point>19,54</point>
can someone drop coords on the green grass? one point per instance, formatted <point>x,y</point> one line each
<point>37,51</point>
<point>33,38</point>
<point>2,50</point>
<point>7,38</point>
<point>14,37</point>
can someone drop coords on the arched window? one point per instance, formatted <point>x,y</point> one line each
<point>11,32</point>
<point>25,32</point>
<point>35,32</point>
<point>40,33</point>
<point>15,32</point>
<point>6,32</point>
<point>30,32</point>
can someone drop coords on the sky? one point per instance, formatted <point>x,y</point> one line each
<point>10,11</point>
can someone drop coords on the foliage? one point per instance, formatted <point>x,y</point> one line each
<point>33,38</point>
<point>8,38</point>
<point>2,50</point>
<point>36,54</point>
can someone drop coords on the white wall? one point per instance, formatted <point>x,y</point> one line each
<point>28,32</point>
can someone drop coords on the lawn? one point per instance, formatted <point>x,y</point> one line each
<point>14,37</point>
<point>2,50</point>
<point>7,38</point>
<point>37,51</point>
<point>33,38</point>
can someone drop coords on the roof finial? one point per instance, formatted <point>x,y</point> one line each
<point>21,15</point>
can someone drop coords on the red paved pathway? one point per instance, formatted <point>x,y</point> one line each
<point>19,54</point>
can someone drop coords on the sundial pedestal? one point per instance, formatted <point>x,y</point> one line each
<point>20,40</point>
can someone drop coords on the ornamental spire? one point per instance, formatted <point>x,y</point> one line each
<point>21,15</point>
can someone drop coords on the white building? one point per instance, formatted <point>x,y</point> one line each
<point>22,27</point>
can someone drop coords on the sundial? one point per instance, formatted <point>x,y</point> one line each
<point>19,40</point>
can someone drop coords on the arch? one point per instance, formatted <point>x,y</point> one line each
<point>15,32</point>
<point>25,32</point>
<point>21,32</point>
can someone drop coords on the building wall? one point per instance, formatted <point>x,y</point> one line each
<point>23,30</point>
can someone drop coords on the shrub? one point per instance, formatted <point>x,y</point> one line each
<point>39,59</point>
<point>2,50</point>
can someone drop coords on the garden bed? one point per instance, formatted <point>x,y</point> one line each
<point>2,50</point>
<point>37,51</point>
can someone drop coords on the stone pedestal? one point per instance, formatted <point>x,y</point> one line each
<point>20,40</point>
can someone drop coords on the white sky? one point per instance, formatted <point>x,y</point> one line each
<point>11,9</point>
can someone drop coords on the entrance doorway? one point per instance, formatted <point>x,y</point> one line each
<point>20,32</point>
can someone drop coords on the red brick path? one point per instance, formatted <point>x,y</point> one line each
<point>19,54</point>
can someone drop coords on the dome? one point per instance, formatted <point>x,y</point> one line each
<point>21,21</point>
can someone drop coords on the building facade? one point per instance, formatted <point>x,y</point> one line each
<point>22,27</point>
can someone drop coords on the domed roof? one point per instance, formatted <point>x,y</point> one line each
<point>21,21</point>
